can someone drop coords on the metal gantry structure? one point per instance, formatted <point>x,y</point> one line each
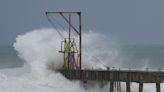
<point>71,50</point>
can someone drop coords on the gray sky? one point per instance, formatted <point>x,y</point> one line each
<point>132,21</point>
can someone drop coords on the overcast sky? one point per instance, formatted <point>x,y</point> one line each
<point>132,21</point>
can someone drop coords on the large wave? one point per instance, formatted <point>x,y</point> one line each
<point>39,49</point>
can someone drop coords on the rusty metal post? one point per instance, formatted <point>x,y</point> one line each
<point>140,87</point>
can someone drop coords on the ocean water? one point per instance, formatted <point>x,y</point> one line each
<point>27,65</point>
<point>9,58</point>
<point>143,56</point>
<point>129,56</point>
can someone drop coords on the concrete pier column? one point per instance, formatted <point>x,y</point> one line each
<point>158,89</point>
<point>111,86</point>
<point>140,87</point>
<point>127,86</point>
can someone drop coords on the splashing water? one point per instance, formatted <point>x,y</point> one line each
<point>39,49</point>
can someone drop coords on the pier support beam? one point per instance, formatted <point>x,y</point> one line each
<point>158,87</point>
<point>140,87</point>
<point>118,86</point>
<point>127,86</point>
<point>111,86</point>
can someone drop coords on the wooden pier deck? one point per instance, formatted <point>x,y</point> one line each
<point>117,76</point>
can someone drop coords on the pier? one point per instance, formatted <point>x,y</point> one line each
<point>113,76</point>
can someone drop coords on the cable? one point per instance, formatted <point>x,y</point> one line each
<point>98,60</point>
<point>54,26</point>
<point>58,22</point>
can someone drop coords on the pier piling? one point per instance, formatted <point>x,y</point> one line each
<point>128,87</point>
<point>140,87</point>
<point>158,87</point>
<point>111,86</point>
